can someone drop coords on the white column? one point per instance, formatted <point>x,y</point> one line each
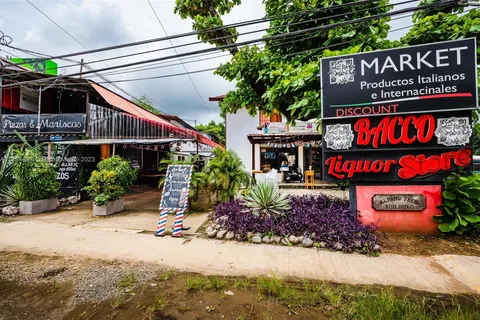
<point>257,157</point>
<point>301,158</point>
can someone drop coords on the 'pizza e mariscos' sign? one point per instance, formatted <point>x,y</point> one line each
<point>427,78</point>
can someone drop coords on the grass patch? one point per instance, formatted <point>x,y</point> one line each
<point>118,301</point>
<point>160,303</point>
<point>216,283</point>
<point>167,275</point>
<point>243,284</point>
<point>195,283</point>
<point>385,306</point>
<point>127,281</point>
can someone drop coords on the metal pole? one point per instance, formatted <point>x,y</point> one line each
<point>81,69</point>
<point>39,109</point>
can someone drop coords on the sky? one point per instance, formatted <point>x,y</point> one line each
<point>100,23</point>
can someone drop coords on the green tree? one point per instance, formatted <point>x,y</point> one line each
<point>145,103</point>
<point>213,128</point>
<point>283,76</point>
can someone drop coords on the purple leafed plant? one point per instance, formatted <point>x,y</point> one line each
<point>329,218</point>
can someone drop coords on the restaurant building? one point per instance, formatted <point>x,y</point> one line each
<point>94,121</point>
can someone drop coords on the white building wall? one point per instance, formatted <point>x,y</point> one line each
<point>238,126</point>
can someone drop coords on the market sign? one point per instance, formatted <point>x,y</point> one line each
<point>49,123</point>
<point>425,78</point>
<point>42,66</point>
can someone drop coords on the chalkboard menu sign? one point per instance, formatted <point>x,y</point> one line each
<point>176,187</point>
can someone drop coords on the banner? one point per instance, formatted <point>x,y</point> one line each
<point>425,78</point>
<point>53,123</point>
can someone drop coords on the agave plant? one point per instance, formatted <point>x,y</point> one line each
<point>265,199</point>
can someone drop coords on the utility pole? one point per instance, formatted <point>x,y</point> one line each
<point>81,68</point>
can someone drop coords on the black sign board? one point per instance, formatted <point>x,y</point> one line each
<point>425,78</point>
<point>49,123</point>
<point>68,172</point>
<point>176,187</point>
<point>418,147</point>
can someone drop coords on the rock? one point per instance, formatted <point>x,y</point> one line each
<point>322,244</point>
<point>230,235</point>
<point>218,227</point>
<point>10,210</point>
<point>358,244</point>
<point>221,234</point>
<point>249,234</point>
<point>256,239</point>
<point>293,239</point>
<point>62,200</point>
<point>258,234</point>
<point>266,239</point>
<point>228,293</point>
<point>217,221</point>
<point>212,233</point>
<point>72,199</point>
<point>307,243</point>
<point>277,240</point>
<point>376,247</point>
<point>300,239</point>
<point>312,236</point>
<point>338,246</point>
<point>285,241</point>
<point>209,229</point>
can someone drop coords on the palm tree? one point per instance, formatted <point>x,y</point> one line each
<point>225,175</point>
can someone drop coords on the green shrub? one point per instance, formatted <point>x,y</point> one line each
<point>225,175</point>
<point>461,205</point>
<point>111,181</point>
<point>126,175</point>
<point>104,187</point>
<point>265,199</point>
<point>35,177</point>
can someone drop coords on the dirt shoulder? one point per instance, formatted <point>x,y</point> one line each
<point>422,245</point>
<point>75,288</point>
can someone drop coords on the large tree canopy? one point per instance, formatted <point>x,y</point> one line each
<point>283,76</point>
<point>213,128</point>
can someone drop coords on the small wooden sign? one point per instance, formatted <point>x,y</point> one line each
<point>399,202</point>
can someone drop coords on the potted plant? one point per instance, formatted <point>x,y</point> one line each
<point>109,184</point>
<point>34,180</point>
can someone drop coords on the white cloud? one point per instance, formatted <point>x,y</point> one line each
<point>103,23</point>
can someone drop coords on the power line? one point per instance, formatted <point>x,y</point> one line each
<point>183,65</point>
<point>249,32</point>
<point>211,69</point>
<point>240,24</point>
<point>82,45</point>
<point>278,36</point>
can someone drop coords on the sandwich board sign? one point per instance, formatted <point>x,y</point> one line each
<point>174,197</point>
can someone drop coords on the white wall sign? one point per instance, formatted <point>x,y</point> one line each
<point>29,100</point>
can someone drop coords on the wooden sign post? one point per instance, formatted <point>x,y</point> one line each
<point>174,197</point>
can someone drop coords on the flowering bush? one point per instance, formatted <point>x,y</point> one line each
<point>329,219</point>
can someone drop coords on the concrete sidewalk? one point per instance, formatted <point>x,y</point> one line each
<point>443,274</point>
